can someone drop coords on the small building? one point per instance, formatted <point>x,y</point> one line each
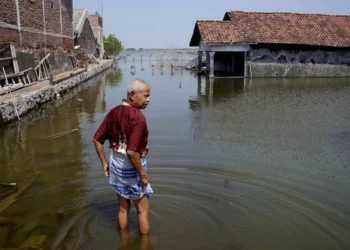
<point>259,44</point>
<point>35,29</point>
<point>97,27</point>
<point>87,32</point>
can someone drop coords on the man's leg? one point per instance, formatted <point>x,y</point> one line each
<point>142,211</point>
<point>124,207</point>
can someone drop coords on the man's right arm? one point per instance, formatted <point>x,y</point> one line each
<point>101,154</point>
<point>100,137</point>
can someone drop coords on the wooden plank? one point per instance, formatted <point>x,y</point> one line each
<point>42,60</point>
<point>29,82</point>
<point>45,69</point>
<point>24,80</point>
<point>13,54</point>
<point>6,58</point>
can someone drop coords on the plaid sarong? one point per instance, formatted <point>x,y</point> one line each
<point>124,178</point>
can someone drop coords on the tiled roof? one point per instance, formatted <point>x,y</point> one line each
<point>275,28</point>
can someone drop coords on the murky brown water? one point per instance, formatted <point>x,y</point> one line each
<point>235,164</point>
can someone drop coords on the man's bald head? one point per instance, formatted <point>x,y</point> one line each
<point>139,93</point>
<point>137,86</point>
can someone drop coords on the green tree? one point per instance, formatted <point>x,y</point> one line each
<point>112,44</point>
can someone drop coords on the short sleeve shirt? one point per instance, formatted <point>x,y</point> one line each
<point>124,124</point>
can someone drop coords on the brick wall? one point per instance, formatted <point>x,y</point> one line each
<point>31,43</point>
<point>31,14</point>
<point>67,17</point>
<point>52,16</point>
<point>67,44</point>
<point>32,20</point>
<point>9,35</point>
<point>8,14</point>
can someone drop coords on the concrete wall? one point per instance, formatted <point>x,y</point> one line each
<point>255,69</point>
<point>37,27</point>
<point>35,99</point>
<point>265,55</point>
<point>294,62</point>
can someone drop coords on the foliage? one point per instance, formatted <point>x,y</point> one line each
<point>114,77</point>
<point>112,44</point>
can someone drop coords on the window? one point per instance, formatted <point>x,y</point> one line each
<point>51,4</point>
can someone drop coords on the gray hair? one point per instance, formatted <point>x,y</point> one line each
<point>135,85</point>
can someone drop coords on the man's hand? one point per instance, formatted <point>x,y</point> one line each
<point>106,169</point>
<point>145,179</point>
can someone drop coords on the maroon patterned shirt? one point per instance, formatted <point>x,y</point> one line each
<point>124,124</point>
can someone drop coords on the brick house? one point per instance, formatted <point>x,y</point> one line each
<point>97,27</point>
<point>36,28</point>
<point>258,44</point>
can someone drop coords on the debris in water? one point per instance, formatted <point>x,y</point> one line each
<point>54,136</point>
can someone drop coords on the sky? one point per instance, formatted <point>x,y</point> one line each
<point>169,24</point>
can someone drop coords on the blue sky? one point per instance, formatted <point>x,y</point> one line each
<point>165,23</point>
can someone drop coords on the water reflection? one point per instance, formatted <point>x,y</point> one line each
<point>45,209</point>
<point>211,91</point>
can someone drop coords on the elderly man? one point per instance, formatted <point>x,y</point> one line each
<point>126,129</point>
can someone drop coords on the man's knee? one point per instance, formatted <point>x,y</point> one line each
<point>142,205</point>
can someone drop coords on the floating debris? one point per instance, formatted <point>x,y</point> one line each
<point>54,136</point>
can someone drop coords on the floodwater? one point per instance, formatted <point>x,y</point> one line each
<point>235,164</point>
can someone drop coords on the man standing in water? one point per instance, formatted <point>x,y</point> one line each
<point>126,130</point>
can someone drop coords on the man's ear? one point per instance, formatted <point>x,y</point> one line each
<point>132,95</point>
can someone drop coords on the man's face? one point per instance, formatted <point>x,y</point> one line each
<point>141,98</point>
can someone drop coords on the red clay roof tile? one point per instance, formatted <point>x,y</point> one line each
<point>275,28</point>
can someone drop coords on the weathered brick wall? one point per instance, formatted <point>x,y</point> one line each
<point>67,17</point>
<point>52,17</point>
<point>68,44</point>
<point>31,43</point>
<point>9,35</point>
<point>31,14</point>
<point>87,39</point>
<point>53,43</point>
<point>8,14</point>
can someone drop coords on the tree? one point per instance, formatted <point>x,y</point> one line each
<point>112,44</point>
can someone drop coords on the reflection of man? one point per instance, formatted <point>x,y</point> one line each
<point>126,129</point>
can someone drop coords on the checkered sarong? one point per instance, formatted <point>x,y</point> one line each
<point>124,178</point>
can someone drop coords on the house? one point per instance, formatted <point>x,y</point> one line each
<point>97,27</point>
<point>36,29</point>
<point>259,44</point>
<point>88,32</point>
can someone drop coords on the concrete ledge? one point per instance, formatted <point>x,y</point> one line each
<point>255,69</point>
<point>22,105</point>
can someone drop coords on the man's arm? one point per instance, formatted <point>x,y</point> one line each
<point>136,162</point>
<point>101,154</point>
